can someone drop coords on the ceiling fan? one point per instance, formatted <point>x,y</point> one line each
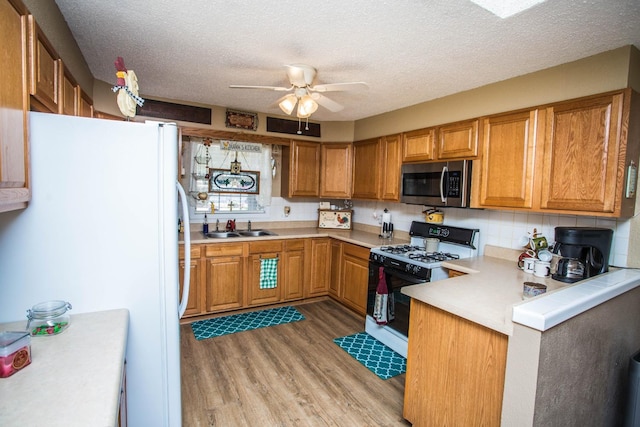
<point>305,94</point>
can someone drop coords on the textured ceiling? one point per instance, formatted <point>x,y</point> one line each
<point>407,51</point>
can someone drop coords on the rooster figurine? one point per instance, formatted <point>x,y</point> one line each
<point>127,88</point>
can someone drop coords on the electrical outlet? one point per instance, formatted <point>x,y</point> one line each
<point>287,210</point>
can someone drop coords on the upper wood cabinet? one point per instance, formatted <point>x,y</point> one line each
<point>570,157</point>
<point>44,71</point>
<point>376,168</point>
<point>335,170</point>
<point>367,165</point>
<point>391,149</point>
<point>14,102</point>
<point>85,104</point>
<point>69,91</point>
<point>419,145</point>
<point>503,176</point>
<point>301,169</point>
<point>458,140</point>
<point>581,152</point>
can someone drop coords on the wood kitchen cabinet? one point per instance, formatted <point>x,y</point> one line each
<point>367,164</point>
<point>458,140</point>
<point>224,281</point>
<point>194,302</point>
<point>14,101</point>
<point>335,283</point>
<point>419,145</point>
<point>353,277</point>
<point>319,276</point>
<point>505,172</point>
<point>69,95</point>
<point>44,71</point>
<point>455,370</point>
<point>85,104</point>
<point>258,250</point>
<point>391,148</point>
<point>583,143</point>
<point>293,271</point>
<point>335,170</point>
<point>301,169</point>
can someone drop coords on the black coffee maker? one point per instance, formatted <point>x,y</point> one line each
<point>585,252</point>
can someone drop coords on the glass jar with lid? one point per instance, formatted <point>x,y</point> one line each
<point>48,318</point>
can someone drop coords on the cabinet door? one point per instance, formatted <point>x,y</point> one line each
<point>458,140</point>
<point>320,269</point>
<point>293,270</point>
<point>419,145</point>
<point>335,283</point>
<point>367,169</point>
<point>391,147</point>
<point>68,91</point>
<point>335,178</point>
<point>581,152</point>
<point>44,70</point>
<point>224,281</point>
<point>256,295</point>
<point>14,102</point>
<point>355,277</point>
<point>85,104</point>
<point>301,169</point>
<point>505,173</point>
<point>194,306</point>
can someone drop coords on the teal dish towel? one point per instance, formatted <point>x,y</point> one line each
<point>268,273</point>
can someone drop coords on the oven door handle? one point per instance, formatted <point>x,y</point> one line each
<point>406,277</point>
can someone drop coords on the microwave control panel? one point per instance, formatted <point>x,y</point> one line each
<point>453,184</point>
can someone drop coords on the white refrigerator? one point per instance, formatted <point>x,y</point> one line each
<point>101,232</point>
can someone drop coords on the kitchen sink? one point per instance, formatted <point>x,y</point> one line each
<point>256,233</point>
<point>222,234</point>
<point>240,233</point>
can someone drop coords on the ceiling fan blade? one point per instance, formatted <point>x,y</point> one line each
<point>338,87</point>
<point>276,88</point>
<point>327,103</point>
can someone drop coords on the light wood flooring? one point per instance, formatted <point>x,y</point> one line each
<point>286,375</point>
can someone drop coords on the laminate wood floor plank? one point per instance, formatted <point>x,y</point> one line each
<point>286,375</point>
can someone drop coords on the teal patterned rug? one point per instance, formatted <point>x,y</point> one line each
<point>377,357</point>
<point>203,329</point>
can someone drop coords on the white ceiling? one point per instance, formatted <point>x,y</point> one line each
<point>407,51</point>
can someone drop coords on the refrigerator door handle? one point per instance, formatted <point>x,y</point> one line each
<point>187,251</point>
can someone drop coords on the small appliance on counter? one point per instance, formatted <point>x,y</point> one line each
<point>585,252</point>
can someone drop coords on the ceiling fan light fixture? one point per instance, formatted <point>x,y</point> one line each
<point>288,104</point>
<point>306,107</point>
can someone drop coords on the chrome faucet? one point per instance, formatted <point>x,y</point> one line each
<point>217,224</point>
<point>249,225</point>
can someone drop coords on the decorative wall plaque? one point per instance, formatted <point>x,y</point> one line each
<point>223,181</point>
<point>335,219</point>
<point>241,120</point>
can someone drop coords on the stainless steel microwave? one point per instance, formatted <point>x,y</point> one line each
<point>436,184</point>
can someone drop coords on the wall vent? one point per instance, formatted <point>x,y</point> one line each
<point>292,127</point>
<point>171,111</point>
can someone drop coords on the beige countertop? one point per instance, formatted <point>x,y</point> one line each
<point>490,294</point>
<point>74,377</point>
<point>364,238</point>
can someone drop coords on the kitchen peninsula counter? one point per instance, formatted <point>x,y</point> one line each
<point>490,294</point>
<point>74,378</point>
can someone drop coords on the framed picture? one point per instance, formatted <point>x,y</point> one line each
<point>328,218</point>
<point>241,120</point>
<point>225,181</point>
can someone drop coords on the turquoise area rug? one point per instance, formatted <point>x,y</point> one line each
<point>377,357</point>
<point>203,329</point>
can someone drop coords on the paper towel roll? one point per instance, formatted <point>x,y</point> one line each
<point>386,218</point>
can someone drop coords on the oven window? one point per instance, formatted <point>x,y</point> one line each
<point>426,184</point>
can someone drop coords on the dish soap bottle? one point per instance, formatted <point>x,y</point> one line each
<point>205,225</point>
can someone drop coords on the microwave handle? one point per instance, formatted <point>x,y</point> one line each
<point>444,191</point>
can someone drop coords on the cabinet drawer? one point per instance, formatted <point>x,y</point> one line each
<point>356,251</point>
<point>265,246</point>
<point>195,251</point>
<point>223,249</point>
<point>294,245</point>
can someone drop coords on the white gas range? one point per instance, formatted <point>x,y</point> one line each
<point>410,264</point>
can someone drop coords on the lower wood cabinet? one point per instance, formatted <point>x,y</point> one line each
<point>224,282</point>
<point>194,303</point>
<point>354,277</point>
<point>293,262</point>
<point>319,271</point>
<point>455,370</point>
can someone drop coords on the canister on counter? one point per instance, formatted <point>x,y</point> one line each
<point>15,352</point>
